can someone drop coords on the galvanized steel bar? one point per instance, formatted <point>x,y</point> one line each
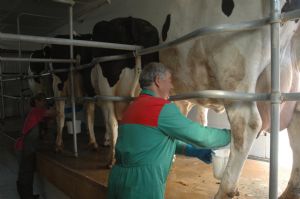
<point>11,79</point>
<point>290,96</point>
<point>57,98</point>
<point>61,41</point>
<point>2,93</point>
<point>18,59</point>
<point>218,94</point>
<point>22,77</point>
<point>107,98</point>
<point>275,97</point>
<point>21,104</point>
<point>248,25</point>
<point>12,97</point>
<point>72,83</point>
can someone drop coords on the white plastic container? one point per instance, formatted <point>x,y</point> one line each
<point>219,160</point>
<point>77,127</point>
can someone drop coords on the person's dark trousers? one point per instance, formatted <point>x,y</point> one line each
<point>27,165</point>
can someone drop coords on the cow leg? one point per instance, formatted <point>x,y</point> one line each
<point>60,120</point>
<point>245,123</point>
<point>292,191</point>
<point>111,125</point>
<point>90,116</point>
<point>106,139</point>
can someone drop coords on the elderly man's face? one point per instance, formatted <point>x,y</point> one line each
<point>165,85</point>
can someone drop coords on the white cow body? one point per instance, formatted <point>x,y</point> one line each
<point>112,111</point>
<point>60,109</point>
<point>232,61</point>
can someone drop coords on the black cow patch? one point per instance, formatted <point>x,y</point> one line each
<point>37,67</point>
<point>166,27</point>
<point>291,5</point>
<point>128,30</point>
<point>63,52</point>
<point>227,7</point>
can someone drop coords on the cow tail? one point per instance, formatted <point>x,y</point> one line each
<point>94,74</point>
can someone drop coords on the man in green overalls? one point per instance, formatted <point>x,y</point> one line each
<point>149,136</point>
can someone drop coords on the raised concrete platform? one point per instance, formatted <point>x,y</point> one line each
<point>86,176</point>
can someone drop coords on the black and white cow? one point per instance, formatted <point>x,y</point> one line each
<point>118,78</point>
<point>82,85</point>
<point>40,84</point>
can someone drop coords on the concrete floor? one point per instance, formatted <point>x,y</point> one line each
<point>9,131</point>
<point>8,170</point>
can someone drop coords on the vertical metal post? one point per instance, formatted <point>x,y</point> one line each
<point>21,105</point>
<point>2,93</point>
<point>275,97</point>
<point>72,84</point>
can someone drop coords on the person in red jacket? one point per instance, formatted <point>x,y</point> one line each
<point>151,131</point>
<point>28,143</point>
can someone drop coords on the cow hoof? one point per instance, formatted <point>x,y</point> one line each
<point>111,163</point>
<point>109,166</point>
<point>222,195</point>
<point>93,146</point>
<point>106,143</point>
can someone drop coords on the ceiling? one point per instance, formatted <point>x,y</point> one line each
<point>51,14</point>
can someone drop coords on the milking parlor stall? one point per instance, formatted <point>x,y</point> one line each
<point>234,65</point>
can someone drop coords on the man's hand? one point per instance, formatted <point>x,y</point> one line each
<point>203,154</point>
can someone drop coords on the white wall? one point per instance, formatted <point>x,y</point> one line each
<point>119,8</point>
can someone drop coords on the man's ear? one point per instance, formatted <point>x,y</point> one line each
<point>157,81</point>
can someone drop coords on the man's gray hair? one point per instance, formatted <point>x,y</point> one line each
<point>150,72</point>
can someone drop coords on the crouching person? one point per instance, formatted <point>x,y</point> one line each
<point>150,132</point>
<point>28,144</point>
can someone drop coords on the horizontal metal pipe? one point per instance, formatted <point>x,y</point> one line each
<point>113,57</point>
<point>97,60</point>
<point>61,41</point>
<point>34,76</point>
<point>12,51</point>
<point>12,97</point>
<point>11,79</point>
<point>107,98</point>
<point>218,94</point>
<point>295,14</point>
<point>248,25</point>
<point>17,59</point>
<point>57,98</point>
<point>290,96</point>
<point>213,94</point>
<point>18,77</point>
